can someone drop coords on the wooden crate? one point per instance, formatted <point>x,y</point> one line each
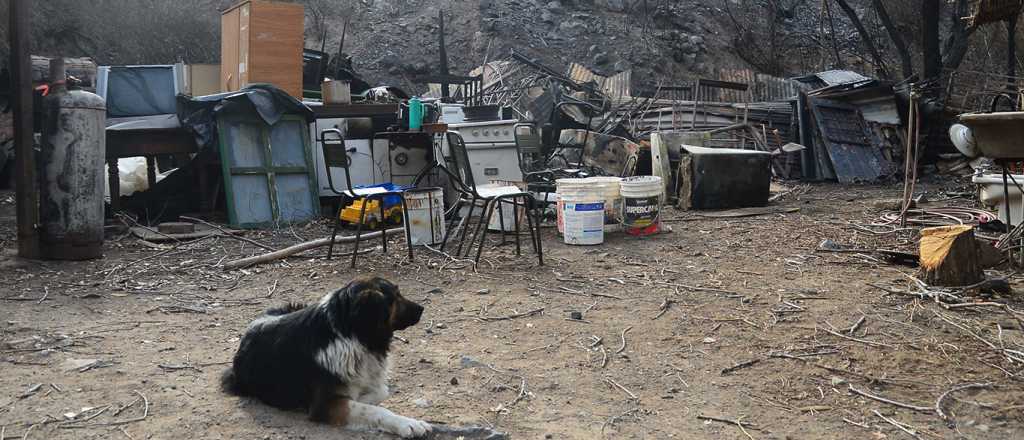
<point>261,42</point>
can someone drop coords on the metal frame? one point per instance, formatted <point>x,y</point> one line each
<point>469,195</point>
<point>269,170</point>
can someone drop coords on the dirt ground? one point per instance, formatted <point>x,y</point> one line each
<point>740,320</point>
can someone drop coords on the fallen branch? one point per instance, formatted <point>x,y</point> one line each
<point>897,424</point>
<point>741,365</point>
<point>615,384</point>
<point>623,336</point>
<point>230,234</point>
<point>890,402</point>
<point>302,247</point>
<point>938,402</point>
<point>517,315</point>
<point>862,341</point>
<point>727,421</point>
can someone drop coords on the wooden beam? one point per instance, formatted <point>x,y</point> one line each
<point>24,156</point>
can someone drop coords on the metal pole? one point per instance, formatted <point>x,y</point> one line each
<point>24,152</point>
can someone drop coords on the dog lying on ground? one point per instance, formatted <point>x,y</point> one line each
<point>330,358</point>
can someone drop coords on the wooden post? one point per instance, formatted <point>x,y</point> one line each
<point>24,153</point>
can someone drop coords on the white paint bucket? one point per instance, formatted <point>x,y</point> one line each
<point>583,220</point>
<point>425,216</point>
<point>642,199</point>
<point>336,92</point>
<point>608,188</point>
<point>566,188</point>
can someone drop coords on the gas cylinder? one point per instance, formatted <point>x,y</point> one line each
<point>71,172</point>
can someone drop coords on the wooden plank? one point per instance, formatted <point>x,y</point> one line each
<point>276,39</point>
<point>229,39</point>
<point>19,31</point>
<point>244,44</point>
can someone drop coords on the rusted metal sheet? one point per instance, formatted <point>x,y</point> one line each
<point>617,86</point>
<point>855,157</point>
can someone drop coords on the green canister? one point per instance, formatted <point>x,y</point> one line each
<point>415,114</point>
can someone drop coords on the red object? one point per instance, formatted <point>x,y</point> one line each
<point>45,88</point>
<point>645,231</point>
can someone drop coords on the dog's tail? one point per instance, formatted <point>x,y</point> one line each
<point>285,309</point>
<point>229,383</point>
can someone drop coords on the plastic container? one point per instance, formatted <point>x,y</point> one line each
<point>642,199</point>
<point>566,188</point>
<point>336,92</point>
<point>583,220</point>
<point>415,114</point>
<point>608,188</point>
<point>425,216</point>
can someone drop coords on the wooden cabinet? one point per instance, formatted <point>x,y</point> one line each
<point>261,42</point>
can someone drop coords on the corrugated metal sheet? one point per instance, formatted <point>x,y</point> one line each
<point>615,87</point>
<point>838,78</point>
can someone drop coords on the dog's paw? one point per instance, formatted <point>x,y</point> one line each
<point>409,428</point>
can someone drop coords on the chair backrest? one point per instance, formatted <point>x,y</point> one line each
<point>336,156</point>
<point>463,170</point>
<point>529,147</point>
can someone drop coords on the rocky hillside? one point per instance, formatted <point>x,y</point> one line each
<point>391,43</point>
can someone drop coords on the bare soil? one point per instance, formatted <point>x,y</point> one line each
<point>756,331</point>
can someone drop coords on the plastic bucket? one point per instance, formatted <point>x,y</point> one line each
<point>642,197</point>
<point>583,220</point>
<point>336,92</point>
<point>567,188</point>
<point>608,188</point>
<point>425,216</point>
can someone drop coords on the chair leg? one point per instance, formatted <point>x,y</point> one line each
<point>359,231</point>
<point>515,220</point>
<point>451,223</point>
<point>499,204</point>
<point>334,232</point>
<point>465,225</point>
<point>485,218</point>
<point>408,227</point>
<point>483,237</point>
<point>533,219</point>
<point>383,226</point>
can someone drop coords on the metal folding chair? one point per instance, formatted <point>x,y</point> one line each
<point>337,156</point>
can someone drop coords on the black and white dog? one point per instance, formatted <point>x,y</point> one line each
<point>330,359</point>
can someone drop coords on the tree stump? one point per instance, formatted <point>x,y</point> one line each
<point>950,257</point>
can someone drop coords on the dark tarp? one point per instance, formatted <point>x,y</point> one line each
<point>268,102</point>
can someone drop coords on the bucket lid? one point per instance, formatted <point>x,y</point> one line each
<point>641,180</point>
<point>603,180</point>
<point>570,181</point>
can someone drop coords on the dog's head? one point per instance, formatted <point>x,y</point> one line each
<point>371,310</point>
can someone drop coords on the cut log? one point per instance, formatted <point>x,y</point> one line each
<point>950,257</point>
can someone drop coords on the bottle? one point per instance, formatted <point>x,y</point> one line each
<point>415,114</point>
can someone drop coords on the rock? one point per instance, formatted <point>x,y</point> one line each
<point>838,381</point>
<point>454,381</point>
<point>709,340</point>
<point>555,7</point>
<point>441,325</point>
<point>615,5</point>
<point>601,59</point>
<point>621,66</point>
<point>422,403</point>
<point>483,292</point>
<point>697,40</point>
<point>575,315</point>
<point>547,17</point>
